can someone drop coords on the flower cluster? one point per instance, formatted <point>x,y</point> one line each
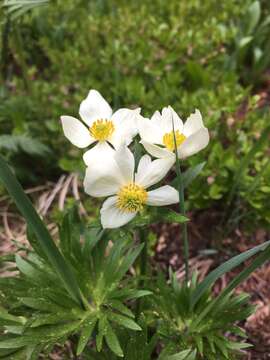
<point>110,164</point>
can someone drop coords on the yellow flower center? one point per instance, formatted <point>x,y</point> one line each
<point>131,198</point>
<point>102,130</point>
<point>168,139</point>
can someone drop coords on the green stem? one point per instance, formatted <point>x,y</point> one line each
<point>182,207</point>
<point>141,236</point>
<point>144,256</point>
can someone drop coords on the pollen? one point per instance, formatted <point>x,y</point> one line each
<point>131,198</point>
<point>168,139</point>
<point>102,130</point>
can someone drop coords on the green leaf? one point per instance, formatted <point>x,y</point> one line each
<point>47,244</point>
<point>183,355</point>
<point>170,216</point>
<point>17,8</point>
<point>245,41</point>
<point>254,14</point>
<point>129,259</point>
<point>15,342</point>
<point>238,346</point>
<point>199,342</point>
<point>157,215</point>
<point>119,306</point>
<point>130,294</point>
<point>124,321</point>
<point>191,174</point>
<point>102,329</point>
<point>17,143</point>
<point>244,163</point>
<point>4,315</point>
<point>91,238</point>
<point>40,304</point>
<point>260,260</point>
<point>204,286</point>
<point>54,318</point>
<point>113,342</point>
<point>86,333</point>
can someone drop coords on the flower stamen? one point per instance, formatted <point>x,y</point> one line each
<point>131,198</point>
<point>102,130</point>
<point>168,139</point>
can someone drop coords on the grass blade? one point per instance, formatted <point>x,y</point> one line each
<point>224,268</point>
<point>246,272</point>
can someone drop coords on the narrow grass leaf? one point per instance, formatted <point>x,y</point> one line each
<point>224,268</point>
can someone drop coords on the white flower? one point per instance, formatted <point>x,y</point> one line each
<point>101,127</point>
<point>127,190</point>
<point>158,139</point>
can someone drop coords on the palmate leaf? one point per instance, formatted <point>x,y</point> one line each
<point>47,244</point>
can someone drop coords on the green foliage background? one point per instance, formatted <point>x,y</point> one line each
<point>209,55</point>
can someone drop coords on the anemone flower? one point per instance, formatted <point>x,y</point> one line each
<point>157,134</point>
<point>102,127</point>
<point>126,188</point>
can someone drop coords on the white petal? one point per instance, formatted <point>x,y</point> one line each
<point>137,121</point>
<point>94,107</point>
<point>194,143</point>
<point>150,132</point>
<point>76,132</point>
<point>126,163</point>
<point>126,115</point>
<point>103,177</point>
<point>112,217</point>
<point>144,162</point>
<point>102,151</point>
<point>122,137</point>
<point>104,185</point>
<point>156,150</point>
<point>193,124</point>
<point>169,115</point>
<point>125,122</point>
<point>165,195</point>
<point>156,119</point>
<point>155,172</point>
